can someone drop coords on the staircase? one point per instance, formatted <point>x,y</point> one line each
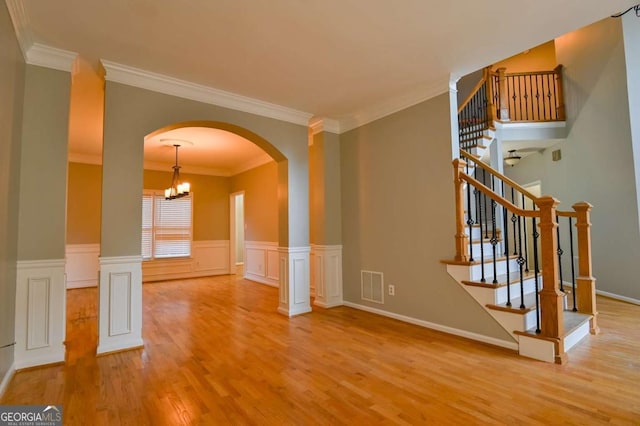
<point>525,262</point>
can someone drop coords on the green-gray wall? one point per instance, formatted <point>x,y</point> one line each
<point>597,157</point>
<point>43,170</point>
<point>398,217</point>
<point>12,73</point>
<point>325,191</point>
<point>132,113</point>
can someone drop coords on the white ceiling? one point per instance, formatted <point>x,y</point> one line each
<point>337,59</point>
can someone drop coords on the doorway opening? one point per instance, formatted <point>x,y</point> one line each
<point>236,233</point>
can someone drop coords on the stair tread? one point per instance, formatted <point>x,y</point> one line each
<point>529,303</point>
<point>571,321</point>
<point>514,278</point>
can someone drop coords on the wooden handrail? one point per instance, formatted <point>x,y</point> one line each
<point>497,198</point>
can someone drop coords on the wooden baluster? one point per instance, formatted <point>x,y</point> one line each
<point>491,108</point>
<point>462,240</point>
<point>560,93</point>
<point>585,282</point>
<point>504,95</point>
<point>551,298</point>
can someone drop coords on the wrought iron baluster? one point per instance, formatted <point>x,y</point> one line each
<point>520,264</point>
<point>560,253</point>
<point>526,250</point>
<point>486,215</point>
<point>469,219</point>
<point>479,207</point>
<point>514,219</point>
<point>536,266</point>
<point>494,238</point>
<point>573,268</point>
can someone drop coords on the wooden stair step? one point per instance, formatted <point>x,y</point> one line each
<point>571,321</point>
<point>529,303</point>
<point>514,278</point>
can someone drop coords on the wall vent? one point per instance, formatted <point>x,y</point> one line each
<point>556,155</point>
<point>372,286</point>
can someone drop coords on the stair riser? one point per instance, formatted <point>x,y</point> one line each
<point>514,321</point>
<point>475,271</point>
<point>529,286</point>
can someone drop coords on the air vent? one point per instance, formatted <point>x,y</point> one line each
<point>372,286</point>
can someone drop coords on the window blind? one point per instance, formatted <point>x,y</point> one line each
<point>166,226</point>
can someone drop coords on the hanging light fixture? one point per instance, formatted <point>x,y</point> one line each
<point>512,159</point>
<point>177,189</point>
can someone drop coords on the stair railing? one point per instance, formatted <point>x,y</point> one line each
<point>482,193</point>
<point>525,96</point>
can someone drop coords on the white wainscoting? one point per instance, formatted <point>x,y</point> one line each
<point>294,298</point>
<point>120,299</point>
<point>326,275</point>
<point>261,262</point>
<point>40,313</point>
<point>82,265</point>
<point>207,258</point>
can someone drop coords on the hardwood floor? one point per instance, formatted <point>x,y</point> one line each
<point>216,352</point>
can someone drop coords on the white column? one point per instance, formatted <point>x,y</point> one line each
<point>40,313</point>
<point>120,304</point>
<point>294,281</point>
<point>326,275</point>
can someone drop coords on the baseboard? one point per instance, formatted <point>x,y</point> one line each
<point>618,297</point>
<point>82,284</point>
<point>7,378</point>
<point>438,327</point>
<point>261,280</point>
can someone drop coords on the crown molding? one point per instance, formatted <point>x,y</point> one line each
<point>252,164</point>
<point>323,124</point>
<point>51,57</point>
<point>20,25</point>
<point>395,104</point>
<point>186,169</point>
<point>172,86</point>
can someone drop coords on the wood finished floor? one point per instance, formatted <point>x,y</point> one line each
<point>216,352</point>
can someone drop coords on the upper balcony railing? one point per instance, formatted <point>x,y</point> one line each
<point>522,97</point>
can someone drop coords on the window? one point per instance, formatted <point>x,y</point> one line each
<point>166,226</point>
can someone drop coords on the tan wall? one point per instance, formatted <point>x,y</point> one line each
<point>260,186</point>
<point>132,113</point>
<point>210,202</point>
<point>324,189</point>
<point>84,188</point>
<point>597,158</point>
<point>43,170</point>
<point>12,75</point>
<point>398,216</point>
<point>539,58</point>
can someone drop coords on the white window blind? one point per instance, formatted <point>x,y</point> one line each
<point>166,226</point>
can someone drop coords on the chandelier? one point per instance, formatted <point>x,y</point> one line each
<point>177,189</point>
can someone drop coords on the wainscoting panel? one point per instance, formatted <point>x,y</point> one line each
<point>120,300</point>
<point>82,265</point>
<point>294,281</point>
<point>326,275</point>
<point>261,262</point>
<point>207,258</point>
<point>40,313</point>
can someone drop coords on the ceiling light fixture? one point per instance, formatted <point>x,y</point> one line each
<point>512,159</point>
<point>177,189</point>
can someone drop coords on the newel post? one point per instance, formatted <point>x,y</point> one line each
<point>551,298</point>
<point>491,108</point>
<point>504,98</point>
<point>560,93</point>
<point>586,283</point>
<point>462,243</point>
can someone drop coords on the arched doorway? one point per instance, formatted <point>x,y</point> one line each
<point>120,317</point>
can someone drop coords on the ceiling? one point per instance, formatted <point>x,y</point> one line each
<point>334,59</point>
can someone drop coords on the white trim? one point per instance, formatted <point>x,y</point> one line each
<point>293,294</point>
<point>261,262</point>
<point>395,104</point>
<point>437,327</point>
<point>251,164</point>
<point>120,304</point>
<point>618,297</point>
<point>40,264</point>
<point>124,74</point>
<point>529,125</point>
<point>326,275</point>
<point>208,258</point>
<point>50,57</point>
<point>119,260</point>
<point>82,265</point>
<point>20,25</point>
<point>40,319</point>
<point>322,124</point>
<point>166,167</point>
<point>7,377</point>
